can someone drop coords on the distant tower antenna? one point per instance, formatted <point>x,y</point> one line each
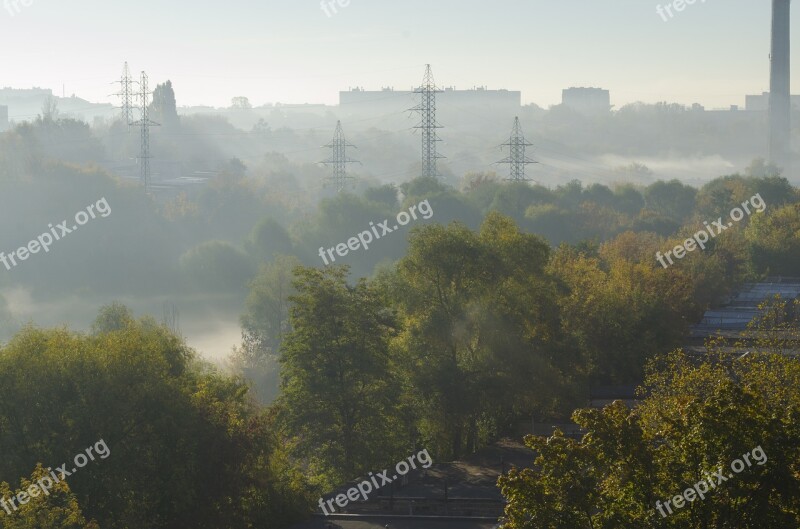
<point>339,159</point>
<point>144,123</point>
<point>516,154</point>
<point>428,124</point>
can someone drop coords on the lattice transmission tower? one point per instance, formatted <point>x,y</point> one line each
<point>517,159</point>
<point>428,124</point>
<point>144,123</point>
<point>339,159</point>
<point>125,95</point>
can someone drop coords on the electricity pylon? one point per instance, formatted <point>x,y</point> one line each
<point>126,95</point>
<point>339,159</point>
<point>516,154</point>
<point>428,124</point>
<point>144,123</point>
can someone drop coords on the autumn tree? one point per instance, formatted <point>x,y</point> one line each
<point>698,415</point>
<point>56,509</point>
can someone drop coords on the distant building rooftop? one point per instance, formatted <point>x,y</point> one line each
<point>586,100</point>
<point>760,102</point>
<point>478,95</point>
<point>734,317</point>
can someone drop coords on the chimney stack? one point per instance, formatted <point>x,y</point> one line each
<point>779,88</point>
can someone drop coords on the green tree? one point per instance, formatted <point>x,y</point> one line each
<point>552,222</point>
<point>670,199</point>
<point>114,317</point>
<point>719,196</point>
<point>264,325</point>
<point>618,308</point>
<point>339,400</point>
<point>174,427</point>
<point>512,199</point>
<point>478,326</point>
<point>7,323</point>
<point>698,416</point>
<point>760,168</point>
<point>628,199</point>
<point>385,194</point>
<point>58,509</point>
<point>217,266</point>
<point>774,240</point>
<point>268,239</point>
<point>163,108</point>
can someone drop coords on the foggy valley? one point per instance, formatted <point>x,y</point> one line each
<point>413,265</point>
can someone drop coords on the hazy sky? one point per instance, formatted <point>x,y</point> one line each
<point>292,52</point>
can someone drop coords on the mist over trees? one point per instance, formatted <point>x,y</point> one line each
<point>160,410</point>
<point>506,306</point>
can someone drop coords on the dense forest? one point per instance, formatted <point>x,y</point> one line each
<point>509,302</point>
<point>351,264</point>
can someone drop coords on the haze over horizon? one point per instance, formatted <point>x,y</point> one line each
<point>261,51</point>
<point>537,260</point>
